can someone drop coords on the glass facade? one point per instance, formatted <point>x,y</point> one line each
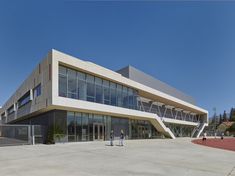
<point>82,86</point>
<point>79,126</point>
<point>90,127</point>
<point>78,85</point>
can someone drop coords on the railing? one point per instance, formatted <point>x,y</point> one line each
<point>37,134</point>
<point>201,127</point>
<point>197,130</point>
<point>20,134</point>
<point>168,113</point>
<point>14,135</point>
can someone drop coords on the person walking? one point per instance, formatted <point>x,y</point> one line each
<point>111,138</point>
<point>121,138</point>
<point>204,137</point>
<point>222,136</point>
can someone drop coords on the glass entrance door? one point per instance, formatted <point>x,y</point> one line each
<point>98,132</point>
<point>143,132</point>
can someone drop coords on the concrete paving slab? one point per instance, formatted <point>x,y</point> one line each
<point>161,157</point>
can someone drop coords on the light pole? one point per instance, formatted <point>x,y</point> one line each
<point>215,120</point>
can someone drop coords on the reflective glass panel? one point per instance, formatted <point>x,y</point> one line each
<point>85,129</point>
<point>71,126</point>
<point>78,117</point>
<point>72,84</point>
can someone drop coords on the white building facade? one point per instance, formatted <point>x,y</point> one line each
<point>83,101</point>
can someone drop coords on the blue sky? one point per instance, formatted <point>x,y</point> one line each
<point>189,45</point>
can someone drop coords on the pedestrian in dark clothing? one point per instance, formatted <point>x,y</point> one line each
<point>111,138</point>
<point>222,136</point>
<point>204,137</point>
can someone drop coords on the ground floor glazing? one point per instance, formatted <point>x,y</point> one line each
<point>67,126</point>
<point>91,127</point>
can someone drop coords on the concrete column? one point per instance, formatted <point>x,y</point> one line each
<point>31,94</point>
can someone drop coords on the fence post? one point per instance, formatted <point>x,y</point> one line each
<point>29,134</point>
<point>33,135</point>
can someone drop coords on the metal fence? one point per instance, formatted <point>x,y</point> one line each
<point>20,134</point>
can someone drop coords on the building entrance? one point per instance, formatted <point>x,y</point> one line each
<point>142,132</point>
<point>98,132</point>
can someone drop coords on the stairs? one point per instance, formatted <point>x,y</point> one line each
<point>161,127</point>
<point>198,130</point>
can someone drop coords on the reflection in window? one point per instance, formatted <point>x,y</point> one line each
<point>78,117</point>
<point>113,94</point>
<point>90,88</point>
<point>98,90</point>
<point>81,86</point>
<point>71,126</point>
<point>85,127</point>
<point>72,84</point>
<point>119,95</point>
<point>125,97</point>
<point>62,81</point>
<point>24,100</point>
<point>106,92</point>
<point>37,91</point>
<point>78,85</point>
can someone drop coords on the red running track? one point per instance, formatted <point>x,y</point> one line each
<point>226,143</point>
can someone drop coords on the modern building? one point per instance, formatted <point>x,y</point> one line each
<point>83,101</point>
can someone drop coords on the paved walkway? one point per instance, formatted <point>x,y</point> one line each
<point>159,157</point>
<point>226,143</point>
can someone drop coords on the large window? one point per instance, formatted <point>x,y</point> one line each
<point>113,94</point>
<point>106,92</point>
<point>63,81</point>
<point>125,97</point>
<point>78,126</point>
<point>119,95</point>
<point>10,110</point>
<point>71,126</point>
<point>82,86</point>
<point>85,129</point>
<point>37,91</point>
<point>78,117</point>
<point>24,99</point>
<point>98,90</point>
<point>72,84</point>
<point>90,88</point>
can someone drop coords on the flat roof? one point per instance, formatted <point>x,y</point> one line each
<point>148,80</point>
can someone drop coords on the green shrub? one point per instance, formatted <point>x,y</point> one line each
<point>232,128</point>
<point>50,136</point>
<point>58,133</point>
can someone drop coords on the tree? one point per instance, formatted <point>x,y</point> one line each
<point>224,117</point>
<point>220,119</point>
<point>232,115</point>
<point>232,128</point>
